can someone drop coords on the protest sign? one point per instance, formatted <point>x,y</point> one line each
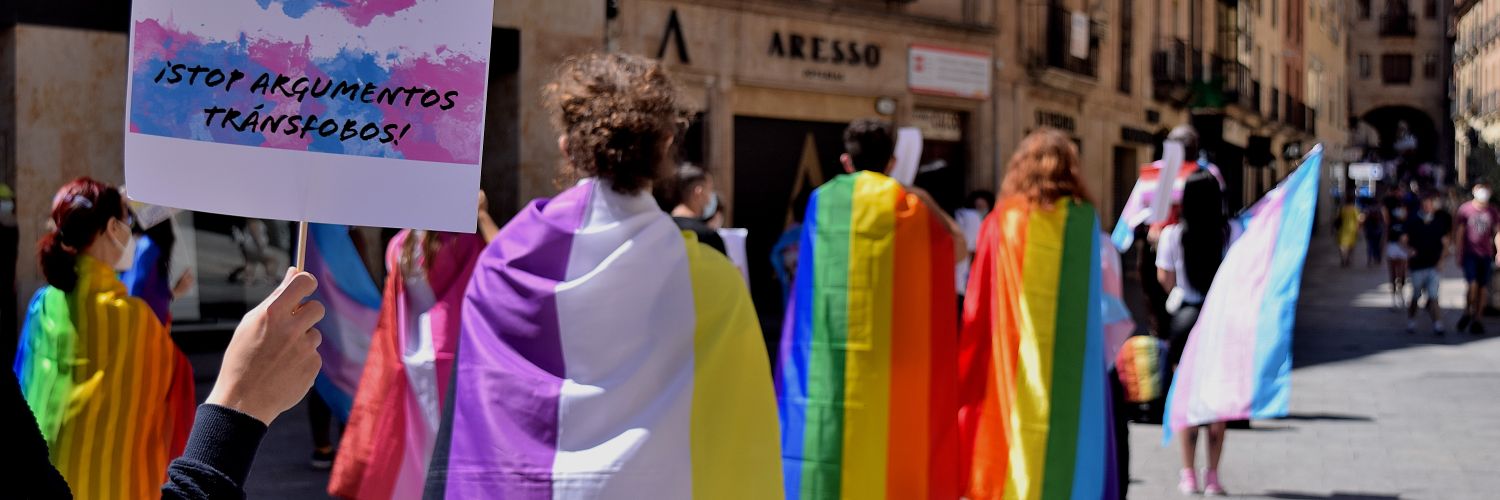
<point>363,113</point>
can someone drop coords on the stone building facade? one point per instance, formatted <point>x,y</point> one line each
<point>1476,87</point>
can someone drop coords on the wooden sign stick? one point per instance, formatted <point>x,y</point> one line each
<point>302,246</point>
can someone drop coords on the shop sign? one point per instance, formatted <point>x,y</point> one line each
<point>1056,120</point>
<point>1366,171</point>
<point>949,72</point>
<point>1131,134</point>
<point>938,125</point>
<point>820,49</point>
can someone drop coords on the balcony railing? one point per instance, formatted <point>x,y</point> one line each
<point>1059,29</point>
<point>1169,70</point>
<point>1296,113</point>
<point>1275,106</point>
<point>1402,25</point>
<point>1251,100</point>
<point>1234,79</point>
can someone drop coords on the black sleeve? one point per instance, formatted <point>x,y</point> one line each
<point>712,239</point>
<point>32,473</point>
<point>219,453</point>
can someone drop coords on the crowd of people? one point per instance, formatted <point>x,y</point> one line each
<point>600,344</point>
<point>1411,228</point>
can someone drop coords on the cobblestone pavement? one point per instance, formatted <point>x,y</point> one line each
<point>1376,414</point>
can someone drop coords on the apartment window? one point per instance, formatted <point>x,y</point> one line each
<point>1127,44</point>
<point>1364,66</point>
<point>1431,9</point>
<point>1395,69</point>
<point>1364,9</point>
<point>1430,66</point>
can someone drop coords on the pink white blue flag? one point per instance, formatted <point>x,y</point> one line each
<point>1238,361</point>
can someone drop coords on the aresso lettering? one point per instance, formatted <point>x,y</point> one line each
<point>819,49</point>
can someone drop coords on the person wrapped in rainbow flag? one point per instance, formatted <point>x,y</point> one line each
<point>1035,406</point>
<point>866,377</point>
<point>112,395</point>
<point>604,353</point>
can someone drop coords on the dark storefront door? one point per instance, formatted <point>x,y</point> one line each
<point>769,157</point>
<point>1127,168</point>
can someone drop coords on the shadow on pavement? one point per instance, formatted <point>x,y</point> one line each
<point>1337,495</point>
<point>1338,417</point>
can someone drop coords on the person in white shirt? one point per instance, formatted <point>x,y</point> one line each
<point>1188,255</point>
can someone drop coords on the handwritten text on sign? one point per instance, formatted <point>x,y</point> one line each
<point>393,89</point>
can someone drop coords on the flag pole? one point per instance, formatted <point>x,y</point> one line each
<point>302,245</point>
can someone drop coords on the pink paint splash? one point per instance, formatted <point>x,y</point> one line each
<point>451,136</point>
<point>363,12</point>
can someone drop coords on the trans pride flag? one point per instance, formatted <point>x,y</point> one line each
<point>388,443</point>
<point>1035,410</point>
<point>603,353</point>
<point>353,304</point>
<point>866,381</point>
<point>1138,206</point>
<point>1238,362</point>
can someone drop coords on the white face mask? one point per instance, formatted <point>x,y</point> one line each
<point>712,207</point>
<point>1482,195</point>
<point>127,249</point>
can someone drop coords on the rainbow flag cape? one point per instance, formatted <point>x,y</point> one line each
<point>1138,205</point>
<point>1035,416</point>
<point>1238,362</point>
<point>388,442</point>
<point>603,353</point>
<point>353,304</point>
<point>1141,364</point>
<point>866,379</point>
<point>110,391</point>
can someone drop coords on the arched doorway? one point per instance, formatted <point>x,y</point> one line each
<point>1388,121</point>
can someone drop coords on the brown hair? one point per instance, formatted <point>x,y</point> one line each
<point>1045,168</point>
<point>870,144</point>
<point>80,211</point>
<point>430,247</point>
<point>618,112</point>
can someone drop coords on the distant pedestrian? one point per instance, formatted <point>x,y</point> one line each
<point>1477,223</point>
<point>1397,253</point>
<point>1348,230</point>
<point>695,205</point>
<point>1429,235</point>
<point>1373,220</point>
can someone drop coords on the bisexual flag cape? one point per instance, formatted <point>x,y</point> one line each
<point>1035,416</point>
<point>603,353</point>
<point>388,442</point>
<point>1137,208</point>
<point>866,379</point>
<point>1238,362</point>
<point>110,391</point>
<point>353,305</point>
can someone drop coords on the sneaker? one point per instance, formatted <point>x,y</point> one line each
<point>1187,482</point>
<point>1437,329</point>
<point>1476,328</point>
<point>1411,327</point>
<point>1463,323</point>
<point>1211,486</point>
<point>322,459</point>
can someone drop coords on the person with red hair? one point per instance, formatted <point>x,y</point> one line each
<point>112,394</point>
